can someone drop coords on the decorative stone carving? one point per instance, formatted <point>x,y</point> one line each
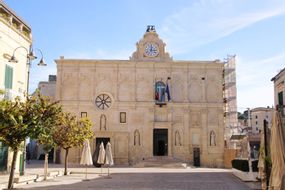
<point>150,37</point>
<point>69,78</point>
<point>84,77</point>
<point>195,119</point>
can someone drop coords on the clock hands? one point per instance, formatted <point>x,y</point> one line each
<point>151,50</point>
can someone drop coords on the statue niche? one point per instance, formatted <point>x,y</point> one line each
<point>177,139</point>
<point>103,123</point>
<point>137,141</point>
<point>212,138</point>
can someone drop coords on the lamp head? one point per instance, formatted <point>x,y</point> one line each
<point>32,55</point>
<point>13,59</point>
<point>42,63</point>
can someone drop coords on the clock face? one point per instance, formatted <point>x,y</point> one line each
<point>151,50</point>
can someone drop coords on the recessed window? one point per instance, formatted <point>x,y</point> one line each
<point>160,92</point>
<point>256,122</point>
<point>83,114</point>
<point>256,117</point>
<point>123,117</point>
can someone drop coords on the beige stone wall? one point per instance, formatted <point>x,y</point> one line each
<point>131,87</point>
<point>194,113</point>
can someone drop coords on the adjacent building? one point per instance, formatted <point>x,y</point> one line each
<point>14,34</point>
<point>257,117</point>
<point>46,88</point>
<point>150,105</point>
<point>279,91</point>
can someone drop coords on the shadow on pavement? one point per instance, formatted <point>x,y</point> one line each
<point>157,181</point>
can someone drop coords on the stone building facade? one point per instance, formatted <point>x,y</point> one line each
<point>257,116</point>
<point>15,37</point>
<point>148,106</point>
<point>279,91</point>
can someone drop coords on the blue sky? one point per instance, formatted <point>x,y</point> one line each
<point>192,29</point>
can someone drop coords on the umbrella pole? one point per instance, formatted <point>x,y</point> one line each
<point>108,170</point>
<point>86,174</point>
<point>101,170</point>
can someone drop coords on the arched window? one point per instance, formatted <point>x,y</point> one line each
<point>159,90</point>
<point>103,122</point>
<point>137,138</point>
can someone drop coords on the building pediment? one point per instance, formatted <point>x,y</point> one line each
<point>150,48</point>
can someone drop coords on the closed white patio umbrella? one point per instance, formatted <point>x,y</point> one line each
<point>86,157</point>
<point>101,156</point>
<point>109,156</point>
<point>261,164</point>
<point>277,153</point>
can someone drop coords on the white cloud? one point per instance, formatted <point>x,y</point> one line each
<point>254,85</point>
<point>203,22</point>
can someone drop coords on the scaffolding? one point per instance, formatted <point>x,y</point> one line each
<point>230,98</point>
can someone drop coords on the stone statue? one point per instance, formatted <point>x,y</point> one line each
<point>137,138</point>
<point>103,122</point>
<point>212,138</point>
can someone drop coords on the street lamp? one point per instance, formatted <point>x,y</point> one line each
<point>30,57</point>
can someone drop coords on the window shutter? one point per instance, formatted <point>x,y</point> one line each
<point>8,77</point>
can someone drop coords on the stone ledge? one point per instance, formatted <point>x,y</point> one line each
<point>31,178</point>
<point>25,178</point>
<point>245,176</point>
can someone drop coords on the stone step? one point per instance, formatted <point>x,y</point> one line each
<point>165,165</point>
<point>161,162</point>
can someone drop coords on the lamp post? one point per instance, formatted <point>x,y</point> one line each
<point>30,57</point>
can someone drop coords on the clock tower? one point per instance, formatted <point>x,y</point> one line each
<point>150,48</point>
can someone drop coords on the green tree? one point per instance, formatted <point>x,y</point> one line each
<point>32,118</point>
<point>50,118</point>
<point>71,133</point>
<point>18,120</point>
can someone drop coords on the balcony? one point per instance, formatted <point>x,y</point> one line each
<point>13,21</point>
